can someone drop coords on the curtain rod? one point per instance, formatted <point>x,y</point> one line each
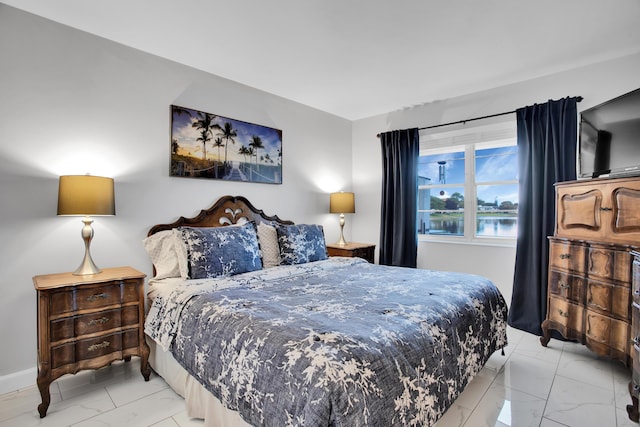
<point>578,99</point>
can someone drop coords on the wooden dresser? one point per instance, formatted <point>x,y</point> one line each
<point>351,249</point>
<point>87,322</point>
<point>634,384</point>
<point>589,285</point>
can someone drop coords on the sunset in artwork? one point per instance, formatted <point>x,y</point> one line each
<point>205,145</point>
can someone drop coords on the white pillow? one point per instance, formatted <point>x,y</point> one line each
<point>161,248</point>
<point>268,239</point>
<point>181,253</point>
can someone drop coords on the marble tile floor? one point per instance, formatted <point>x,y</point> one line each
<point>561,385</point>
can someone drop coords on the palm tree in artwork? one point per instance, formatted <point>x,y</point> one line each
<point>205,125</point>
<point>228,133</point>
<point>174,146</point>
<point>256,144</point>
<point>280,155</point>
<point>244,152</point>
<point>204,138</point>
<point>218,143</point>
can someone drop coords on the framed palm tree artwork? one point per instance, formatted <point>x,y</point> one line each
<point>205,145</point>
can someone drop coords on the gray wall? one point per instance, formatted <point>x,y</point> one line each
<point>73,103</point>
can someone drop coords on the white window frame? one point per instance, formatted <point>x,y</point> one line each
<point>497,133</point>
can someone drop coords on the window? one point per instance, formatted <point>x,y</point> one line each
<point>468,184</point>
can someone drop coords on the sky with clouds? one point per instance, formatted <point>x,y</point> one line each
<point>494,164</point>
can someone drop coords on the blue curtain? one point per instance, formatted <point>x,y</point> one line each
<point>547,137</point>
<point>398,229</point>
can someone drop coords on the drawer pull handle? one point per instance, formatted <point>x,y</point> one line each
<point>565,256</point>
<point>94,297</point>
<point>563,313</point>
<point>103,344</point>
<point>100,321</point>
<point>563,285</point>
<point>605,209</point>
<point>636,292</point>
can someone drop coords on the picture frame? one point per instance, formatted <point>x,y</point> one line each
<point>206,145</point>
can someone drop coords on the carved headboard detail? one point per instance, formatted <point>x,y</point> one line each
<point>227,210</point>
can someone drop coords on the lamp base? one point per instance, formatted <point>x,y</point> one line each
<point>341,241</point>
<point>88,266</point>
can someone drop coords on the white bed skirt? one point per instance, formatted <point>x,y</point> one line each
<point>200,403</point>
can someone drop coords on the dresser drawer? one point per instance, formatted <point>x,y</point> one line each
<point>567,256</point>
<point>93,297</point>
<point>91,348</point>
<point>609,264</point>
<point>78,326</point>
<point>565,314</point>
<point>635,352</point>
<point>607,331</point>
<point>567,286</point>
<point>608,299</point>
<point>636,281</point>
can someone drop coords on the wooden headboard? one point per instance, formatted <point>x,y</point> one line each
<point>227,210</point>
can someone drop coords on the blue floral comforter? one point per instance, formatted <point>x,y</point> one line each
<point>339,342</point>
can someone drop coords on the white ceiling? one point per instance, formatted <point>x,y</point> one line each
<point>358,58</point>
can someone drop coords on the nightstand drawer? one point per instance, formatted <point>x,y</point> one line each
<point>78,326</point>
<point>93,297</point>
<point>362,253</point>
<point>360,250</point>
<point>92,348</point>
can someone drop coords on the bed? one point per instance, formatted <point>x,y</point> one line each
<point>254,325</point>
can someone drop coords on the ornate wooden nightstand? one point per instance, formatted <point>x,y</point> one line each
<point>87,322</point>
<point>362,250</point>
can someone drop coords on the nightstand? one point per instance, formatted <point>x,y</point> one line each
<point>87,322</point>
<point>351,249</point>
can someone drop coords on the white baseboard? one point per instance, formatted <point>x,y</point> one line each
<point>18,380</point>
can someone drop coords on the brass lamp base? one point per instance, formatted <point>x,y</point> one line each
<point>87,266</point>
<point>341,241</point>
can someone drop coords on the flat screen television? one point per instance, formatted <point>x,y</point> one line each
<point>609,141</point>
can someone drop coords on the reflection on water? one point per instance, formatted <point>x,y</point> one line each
<point>485,227</point>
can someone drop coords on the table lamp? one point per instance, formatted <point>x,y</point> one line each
<point>342,203</point>
<point>86,195</point>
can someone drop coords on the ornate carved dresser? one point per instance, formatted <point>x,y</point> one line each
<point>590,265</point>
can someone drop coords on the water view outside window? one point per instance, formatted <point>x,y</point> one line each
<point>497,192</point>
<point>494,186</point>
<point>441,193</point>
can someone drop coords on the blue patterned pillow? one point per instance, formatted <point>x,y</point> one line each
<point>221,251</point>
<point>301,243</point>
